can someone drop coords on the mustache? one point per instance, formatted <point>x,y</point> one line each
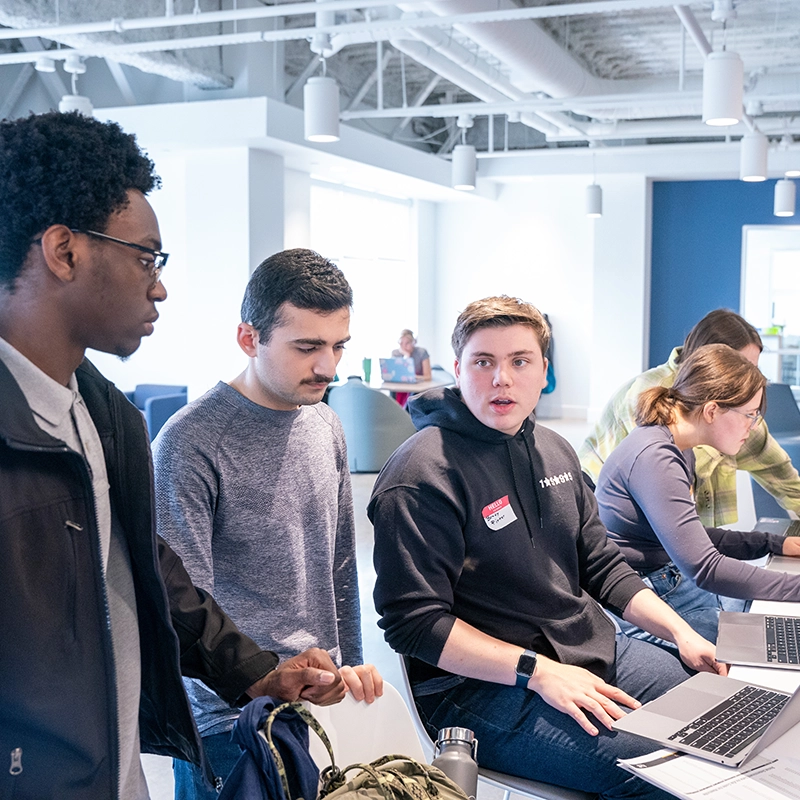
<point>317,379</point>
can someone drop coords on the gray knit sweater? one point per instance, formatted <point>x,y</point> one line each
<point>258,505</point>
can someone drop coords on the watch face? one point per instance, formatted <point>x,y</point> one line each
<point>526,664</point>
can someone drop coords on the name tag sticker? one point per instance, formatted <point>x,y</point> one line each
<point>499,514</point>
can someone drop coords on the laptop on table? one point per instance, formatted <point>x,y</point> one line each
<point>397,370</point>
<point>716,718</point>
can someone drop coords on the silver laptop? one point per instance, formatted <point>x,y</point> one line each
<point>716,718</point>
<point>759,640</point>
<point>788,527</point>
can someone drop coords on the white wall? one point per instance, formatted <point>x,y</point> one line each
<point>589,276</point>
<point>220,213</point>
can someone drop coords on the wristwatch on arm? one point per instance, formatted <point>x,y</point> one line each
<point>525,667</point>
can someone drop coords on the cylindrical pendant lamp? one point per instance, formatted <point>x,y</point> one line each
<point>723,86</point>
<point>465,163</point>
<point>76,102</point>
<point>753,157</point>
<point>321,109</point>
<point>784,198</point>
<point>594,200</point>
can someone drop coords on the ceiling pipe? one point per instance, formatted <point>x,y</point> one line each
<point>121,25</point>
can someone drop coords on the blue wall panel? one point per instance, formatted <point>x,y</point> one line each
<point>697,252</point>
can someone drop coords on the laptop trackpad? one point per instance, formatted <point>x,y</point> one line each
<point>683,704</point>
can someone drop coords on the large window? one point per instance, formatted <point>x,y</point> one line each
<point>371,238</point>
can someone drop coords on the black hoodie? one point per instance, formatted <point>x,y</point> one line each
<point>499,531</point>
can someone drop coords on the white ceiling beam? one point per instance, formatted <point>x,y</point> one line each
<point>120,25</point>
<point>121,79</point>
<point>370,81</point>
<point>14,94</point>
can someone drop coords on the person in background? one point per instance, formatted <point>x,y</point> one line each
<point>253,491</point>
<point>714,472</point>
<point>422,361</point>
<point>644,493</point>
<point>98,617</point>
<point>409,349</point>
<point>492,566</point>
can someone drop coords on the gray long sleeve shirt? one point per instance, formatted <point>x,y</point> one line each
<point>644,494</point>
<point>258,504</point>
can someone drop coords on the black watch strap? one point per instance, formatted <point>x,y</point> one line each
<point>525,667</point>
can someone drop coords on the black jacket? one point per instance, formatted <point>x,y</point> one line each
<point>498,531</point>
<point>57,689</point>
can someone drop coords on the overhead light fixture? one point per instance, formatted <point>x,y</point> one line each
<point>74,64</point>
<point>723,86</point>
<point>465,164</point>
<point>76,102</point>
<point>465,158</point>
<point>594,200</point>
<point>321,109</point>
<point>753,157</point>
<point>785,196</point>
<point>790,160</point>
<point>45,64</point>
<point>594,193</point>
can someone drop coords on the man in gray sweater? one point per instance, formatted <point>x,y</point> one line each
<point>253,490</point>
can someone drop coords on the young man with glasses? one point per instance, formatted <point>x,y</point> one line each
<point>253,490</point>
<point>98,617</point>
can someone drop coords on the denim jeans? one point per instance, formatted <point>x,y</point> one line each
<point>222,755</point>
<point>697,606</point>
<point>520,734</point>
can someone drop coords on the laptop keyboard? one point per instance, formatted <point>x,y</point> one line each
<point>794,528</point>
<point>782,637</point>
<point>732,725</point>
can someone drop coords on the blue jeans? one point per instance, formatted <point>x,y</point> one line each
<point>697,606</point>
<point>520,734</point>
<point>222,755</point>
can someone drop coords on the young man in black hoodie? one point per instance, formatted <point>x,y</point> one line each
<point>493,566</point>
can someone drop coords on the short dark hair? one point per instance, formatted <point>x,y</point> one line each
<point>300,277</point>
<point>63,169</point>
<point>498,312</point>
<point>721,326</point>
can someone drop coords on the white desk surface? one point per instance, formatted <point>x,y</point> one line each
<point>786,680</point>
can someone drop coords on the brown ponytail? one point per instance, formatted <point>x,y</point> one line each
<point>712,373</point>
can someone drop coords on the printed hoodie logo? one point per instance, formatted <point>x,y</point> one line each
<point>499,514</point>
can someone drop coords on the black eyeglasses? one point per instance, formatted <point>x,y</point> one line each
<point>155,267</point>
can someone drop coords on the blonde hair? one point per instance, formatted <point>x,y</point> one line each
<point>712,373</point>
<point>498,312</point>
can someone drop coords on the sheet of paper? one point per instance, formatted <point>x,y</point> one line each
<point>771,776</point>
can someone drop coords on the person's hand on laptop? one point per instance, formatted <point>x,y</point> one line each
<point>572,689</point>
<point>698,653</point>
<point>791,546</point>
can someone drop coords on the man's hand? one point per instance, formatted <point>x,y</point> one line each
<point>309,676</point>
<point>363,681</point>
<point>791,546</point>
<point>699,654</point>
<point>571,689</point>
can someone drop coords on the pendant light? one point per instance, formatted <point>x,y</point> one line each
<point>321,108</point>
<point>753,157</point>
<point>594,195</point>
<point>465,159</point>
<point>723,87</point>
<point>785,195</point>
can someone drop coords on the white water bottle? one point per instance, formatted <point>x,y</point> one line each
<point>454,753</point>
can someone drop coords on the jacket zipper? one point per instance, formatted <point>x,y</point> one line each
<point>16,761</point>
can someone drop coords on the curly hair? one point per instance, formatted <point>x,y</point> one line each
<point>63,169</point>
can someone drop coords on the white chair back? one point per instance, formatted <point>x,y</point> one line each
<point>361,732</point>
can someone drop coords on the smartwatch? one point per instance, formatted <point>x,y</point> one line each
<point>525,667</point>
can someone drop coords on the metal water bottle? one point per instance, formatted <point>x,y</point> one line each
<point>454,754</point>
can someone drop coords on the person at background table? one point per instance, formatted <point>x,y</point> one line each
<point>408,349</point>
<point>714,472</point>
<point>645,498</point>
